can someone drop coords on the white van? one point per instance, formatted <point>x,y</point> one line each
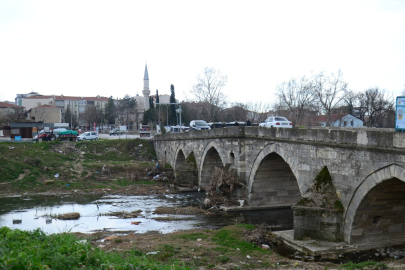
<point>199,125</point>
<point>88,136</point>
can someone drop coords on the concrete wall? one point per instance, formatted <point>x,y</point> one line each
<point>269,159</point>
<point>29,103</point>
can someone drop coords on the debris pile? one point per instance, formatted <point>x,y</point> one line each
<point>221,186</point>
<point>263,237</point>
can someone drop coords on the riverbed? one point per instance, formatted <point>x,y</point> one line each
<point>29,213</point>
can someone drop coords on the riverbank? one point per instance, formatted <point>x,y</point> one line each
<point>126,167</point>
<point>121,166</point>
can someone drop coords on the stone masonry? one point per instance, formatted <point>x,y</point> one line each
<point>367,167</point>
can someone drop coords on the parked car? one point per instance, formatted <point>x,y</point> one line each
<point>217,125</point>
<point>116,131</point>
<point>174,129</point>
<point>276,121</point>
<point>199,125</point>
<point>88,136</point>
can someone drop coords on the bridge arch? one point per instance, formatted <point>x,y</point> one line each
<point>272,181</point>
<point>180,158</point>
<point>212,157</point>
<point>376,212</point>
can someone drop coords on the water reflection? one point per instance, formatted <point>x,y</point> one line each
<point>35,212</point>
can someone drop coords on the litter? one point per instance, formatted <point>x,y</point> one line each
<point>135,222</point>
<point>264,246</point>
<point>152,253</point>
<point>57,175</point>
<point>112,237</point>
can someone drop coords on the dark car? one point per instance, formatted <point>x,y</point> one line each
<point>116,131</point>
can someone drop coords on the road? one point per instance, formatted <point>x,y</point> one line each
<point>125,136</point>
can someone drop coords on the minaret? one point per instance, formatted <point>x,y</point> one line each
<point>146,91</point>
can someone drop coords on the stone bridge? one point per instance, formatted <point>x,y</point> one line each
<point>279,167</point>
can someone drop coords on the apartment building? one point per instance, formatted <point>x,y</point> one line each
<point>77,105</point>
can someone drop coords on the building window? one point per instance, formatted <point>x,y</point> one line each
<point>352,123</point>
<point>82,102</point>
<point>345,123</point>
<point>75,103</point>
<point>59,103</point>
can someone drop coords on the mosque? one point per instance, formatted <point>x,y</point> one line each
<point>143,101</point>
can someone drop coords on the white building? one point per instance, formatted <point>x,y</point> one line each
<point>339,120</point>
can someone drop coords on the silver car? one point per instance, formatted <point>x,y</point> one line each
<point>276,121</point>
<point>88,136</point>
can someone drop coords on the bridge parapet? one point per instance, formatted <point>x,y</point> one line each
<point>334,136</point>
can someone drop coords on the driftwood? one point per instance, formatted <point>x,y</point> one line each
<point>221,186</point>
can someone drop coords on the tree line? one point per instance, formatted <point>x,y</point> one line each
<point>298,99</point>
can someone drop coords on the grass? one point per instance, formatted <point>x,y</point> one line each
<point>370,265</point>
<point>36,250</point>
<point>193,236</point>
<point>26,165</point>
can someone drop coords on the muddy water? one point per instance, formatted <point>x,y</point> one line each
<point>28,213</point>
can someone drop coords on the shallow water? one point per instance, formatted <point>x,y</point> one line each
<point>35,212</point>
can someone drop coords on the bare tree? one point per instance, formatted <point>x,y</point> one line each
<point>380,108</point>
<point>209,90</point>
<point>257,110</point>
<point>127,111</point>
<point>299,97</point>
<point>15,113</point>
<point>329,91</point>
<point>237,112</point>
<point>92,115</point>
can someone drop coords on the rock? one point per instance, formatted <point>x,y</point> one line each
<point>199,240</point>
<point>69,216</point>
<point>248,257</point>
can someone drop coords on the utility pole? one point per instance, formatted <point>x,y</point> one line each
<point>167,110</point>
<point>71,117</point>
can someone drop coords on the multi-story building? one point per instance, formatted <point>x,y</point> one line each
<point>20,97</point>
<point>77,105</point>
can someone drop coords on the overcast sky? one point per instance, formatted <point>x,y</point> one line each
<point>89,48</point>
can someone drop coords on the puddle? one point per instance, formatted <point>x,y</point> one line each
<point>36,212</point>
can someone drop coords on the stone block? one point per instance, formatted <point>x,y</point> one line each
<point>384,222</point>
<point>282,193</point>
<point>371,231</point>
<point>398,208</point>
<point>395,228</point>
